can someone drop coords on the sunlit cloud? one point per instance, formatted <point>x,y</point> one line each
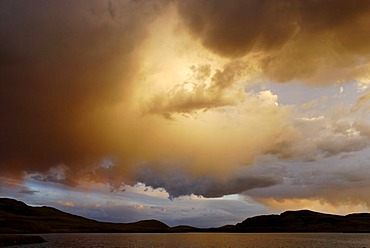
<point>155,101</point>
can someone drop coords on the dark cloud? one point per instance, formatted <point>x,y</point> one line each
<point>54,179</point>
<point>28,191</point>
<point>235,28</point>
<point>296,38</point>
<point>64,65</point>
<point>179,183</point>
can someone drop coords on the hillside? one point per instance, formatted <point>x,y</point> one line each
<point>305,221</point>
<point>17,217</point>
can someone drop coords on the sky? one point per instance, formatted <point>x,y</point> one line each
<point>197,112</point>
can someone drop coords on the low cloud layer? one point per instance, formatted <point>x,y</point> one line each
<point>178,183</point>
<point>328,185</point>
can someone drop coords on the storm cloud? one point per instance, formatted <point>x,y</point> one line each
<point>178,183</point>
<point>64,66</point>
<point>295,39</point>
<point>144,82</point>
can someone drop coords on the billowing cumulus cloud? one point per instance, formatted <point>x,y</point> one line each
<point>322,137</point>
<point>204,91</point>
<point>164,93</point>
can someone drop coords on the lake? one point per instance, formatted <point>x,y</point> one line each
<point>226,240</point>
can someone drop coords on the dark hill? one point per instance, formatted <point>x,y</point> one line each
<point>17,217</point>
<point>305,221</point>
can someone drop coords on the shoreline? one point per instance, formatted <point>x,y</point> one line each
<point>20,239</point>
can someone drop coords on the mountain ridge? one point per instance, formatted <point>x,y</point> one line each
<point>17,217</point>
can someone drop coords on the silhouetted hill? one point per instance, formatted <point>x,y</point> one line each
<point>17,217</point>
<point>306,221</point>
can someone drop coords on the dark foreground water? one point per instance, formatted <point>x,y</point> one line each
<point>197,240</point>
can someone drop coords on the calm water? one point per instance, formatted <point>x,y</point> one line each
<point>337,240</point>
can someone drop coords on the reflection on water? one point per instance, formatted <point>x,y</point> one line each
<point>182,240</point>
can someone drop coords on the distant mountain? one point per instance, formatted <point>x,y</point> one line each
<point>305,221</point>
<point>17,217</point>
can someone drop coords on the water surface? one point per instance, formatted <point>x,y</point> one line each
<point>198,240</point>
